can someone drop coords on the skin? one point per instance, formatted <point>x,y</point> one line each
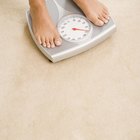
<point>95,11</point>
<point>44,28</point>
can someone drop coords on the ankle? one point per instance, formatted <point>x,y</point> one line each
<point>36,5</point>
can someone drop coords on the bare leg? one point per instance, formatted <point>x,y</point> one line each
<point>95,11</point>
<point>43,27</point>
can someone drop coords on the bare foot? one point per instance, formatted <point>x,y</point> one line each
<point>43,27</point>
<point>95,11</point>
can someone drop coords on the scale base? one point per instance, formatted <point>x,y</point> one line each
<point>68,49</point>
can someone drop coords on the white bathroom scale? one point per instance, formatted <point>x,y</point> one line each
<point>77,32</point>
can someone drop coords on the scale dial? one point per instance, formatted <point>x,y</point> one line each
<point>74,28</point>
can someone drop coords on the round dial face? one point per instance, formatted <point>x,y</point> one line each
<point>74,28</point>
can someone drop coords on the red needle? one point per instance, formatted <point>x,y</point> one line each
<point>75,29</point>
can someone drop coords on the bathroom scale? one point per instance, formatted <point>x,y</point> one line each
<point>77,32</point>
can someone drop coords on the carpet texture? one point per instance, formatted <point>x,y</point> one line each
<point>92,96</point>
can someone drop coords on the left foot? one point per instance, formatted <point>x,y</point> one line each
<point>95,11</point>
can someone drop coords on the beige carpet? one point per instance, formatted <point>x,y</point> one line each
<point>92,96</point>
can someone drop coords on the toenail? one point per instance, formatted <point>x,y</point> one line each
<point>101,23</point>
<point>52,46</point>
<point>58,42</point>
<point>44,45</point>
<point>48,46</point>
<point>108,18</point>
<point>106,21</point>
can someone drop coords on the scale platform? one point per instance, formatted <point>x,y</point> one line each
<point>62,12</point>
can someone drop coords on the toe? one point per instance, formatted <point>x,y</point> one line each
<point>106,16</point>
<point>58,41</point>
<point>95,20</point>
<point>99,22</point>
<point>38,39</point>
<point>106,12</point>
<point>43,41</point>
<point>103,19</point>
<point>52,42</point>
<point>48,43</point>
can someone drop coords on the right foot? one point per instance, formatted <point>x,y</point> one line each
<point>43,28</point>
<point>95,11</point>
